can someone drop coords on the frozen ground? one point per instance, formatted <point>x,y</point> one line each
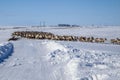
<point>60,60</point>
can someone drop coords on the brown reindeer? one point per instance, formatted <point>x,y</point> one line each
<point>82,39</point>
<point>89,39</point>
<point>100,40</point>
<point>47,35</point>
<point>115,41</point>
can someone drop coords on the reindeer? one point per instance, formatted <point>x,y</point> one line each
<point>89,39</point>
<point>13,39</point>
<point>82,39</point>
<point>115,41</point>
<point>100,40</point>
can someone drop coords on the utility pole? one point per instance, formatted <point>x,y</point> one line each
<point>40,23</point>
<point>44,24</point>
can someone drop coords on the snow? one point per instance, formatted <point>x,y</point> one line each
<point>6,50</point>
<point>52,46</point>
<point>60,60</point>
<point>83,60</point>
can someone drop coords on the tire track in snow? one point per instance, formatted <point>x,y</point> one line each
<point>30,56</point>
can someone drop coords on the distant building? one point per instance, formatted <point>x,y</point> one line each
<point>67,25</point>
<point>75,25</point>
<point>64,25</point>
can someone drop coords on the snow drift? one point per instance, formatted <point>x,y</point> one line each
<point>6,50</point>
<point>82,64</point>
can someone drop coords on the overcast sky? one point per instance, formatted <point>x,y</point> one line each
<point>81,12</point>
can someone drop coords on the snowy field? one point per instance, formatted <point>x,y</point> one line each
<point>28,59</point>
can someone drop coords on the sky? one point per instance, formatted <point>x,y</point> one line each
<point>53,12</point>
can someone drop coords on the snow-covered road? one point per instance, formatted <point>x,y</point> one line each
<point>61,60</point>
<point>26,63</point>
<point>43,60</point>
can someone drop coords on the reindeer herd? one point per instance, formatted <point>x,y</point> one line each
<point>51,36</point>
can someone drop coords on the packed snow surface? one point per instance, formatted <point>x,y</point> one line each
<point>60,60</point>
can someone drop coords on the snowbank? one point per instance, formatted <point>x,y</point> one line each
<point>82,64</point>
<point>5,50</point>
